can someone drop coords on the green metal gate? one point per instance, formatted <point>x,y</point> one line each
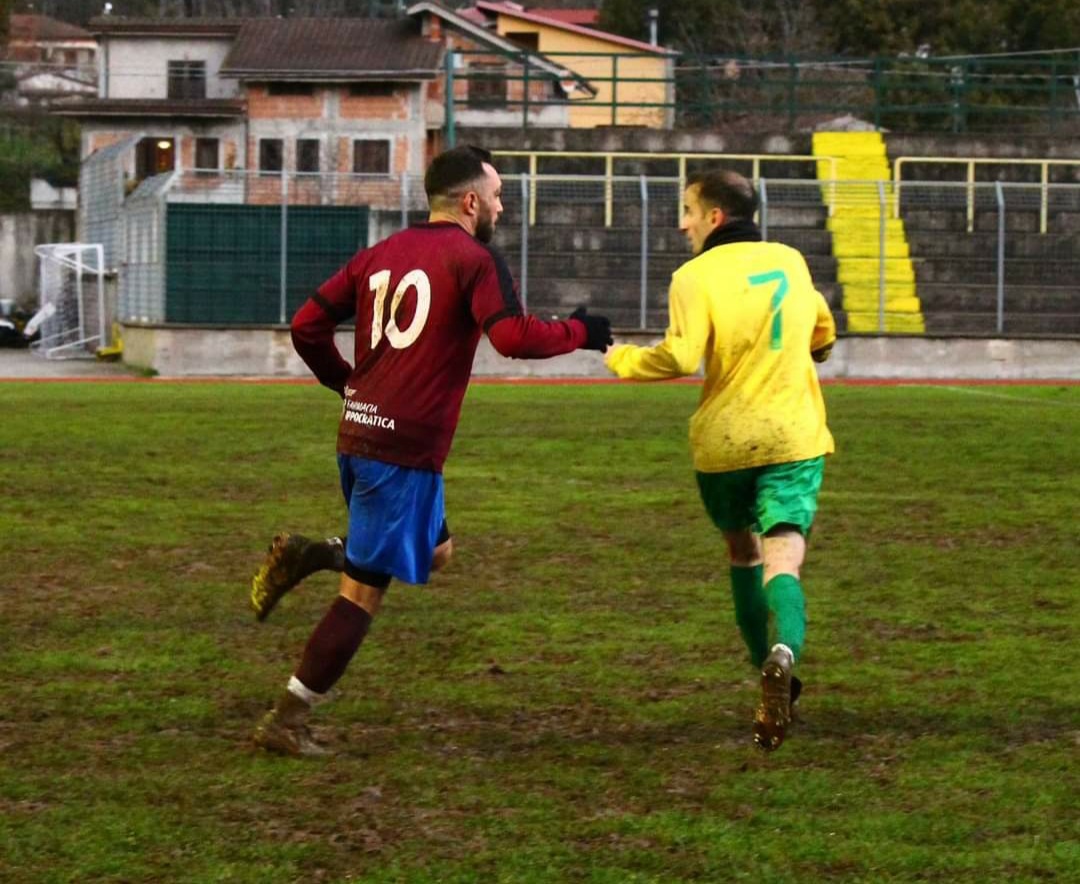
<point>224,262</point>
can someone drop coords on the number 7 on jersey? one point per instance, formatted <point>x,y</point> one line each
<point>776,338</point>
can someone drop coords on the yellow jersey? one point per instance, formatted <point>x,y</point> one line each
<point>751,311</point>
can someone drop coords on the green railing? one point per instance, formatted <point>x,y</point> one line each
<point>1030,93</point>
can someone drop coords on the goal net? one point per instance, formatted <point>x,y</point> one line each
<point>71,317</point>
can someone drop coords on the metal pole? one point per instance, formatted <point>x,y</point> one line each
<point>609,171</point>
<point>878,92</point>
<point>881,257</point>
<point>999,192</point>
<point>525,242</point>
<point>525,91</point>
<point>681,186</point>
<point>614,89</point>
<point>793,83</point>
<point>99,258</point>
<point>971,196</point>
<point>404,200</point>
<point>532,188</point>
<point>644,251</point>
<point>451,129</point>
<point>1044,197</point>
<point>284,268</point>
<point>763,212</point>
<point>79,296</point>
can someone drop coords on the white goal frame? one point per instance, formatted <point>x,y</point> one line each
<point>71,315</point>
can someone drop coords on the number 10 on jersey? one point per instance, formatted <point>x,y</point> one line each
<point>399,338</point>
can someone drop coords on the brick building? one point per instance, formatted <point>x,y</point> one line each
<point>324,95</point>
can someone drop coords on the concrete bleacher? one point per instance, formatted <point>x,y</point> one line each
<point>577,255</point>
<point>574,259</point>
<point>957,272</point>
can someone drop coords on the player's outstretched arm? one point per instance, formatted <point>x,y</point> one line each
<point>597,330</point>
<point>520,336</point>
<point>683,347</point>
<point>313,339</point>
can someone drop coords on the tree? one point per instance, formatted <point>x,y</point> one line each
<point>892,27</point>
<point>1043,24</point>
<point>736,27</point>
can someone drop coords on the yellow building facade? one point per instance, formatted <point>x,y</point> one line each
<point>634,82</point>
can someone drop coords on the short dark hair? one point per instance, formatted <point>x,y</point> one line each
<point>726,190</point>
<point>453,168</point>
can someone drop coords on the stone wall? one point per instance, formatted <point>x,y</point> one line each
<point>177,351</point>
<point>19,233</point>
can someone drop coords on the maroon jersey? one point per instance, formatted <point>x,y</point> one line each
<point>421,299</point>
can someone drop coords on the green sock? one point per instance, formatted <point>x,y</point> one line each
<point>788,607</point>
<point>751,610</point>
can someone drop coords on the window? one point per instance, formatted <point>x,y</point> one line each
<point>487,85</point>
<point>271,155</point>
<point>187,79</point>
<point>371,157</point>
<point>290,89</point>
<point>525,39</point>
<point>153,155</point>
<point>371,90</point>
<point>206,154</point>
<point>307,155</point>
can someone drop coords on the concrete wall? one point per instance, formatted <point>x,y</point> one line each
<point>714,141</point>
<point>19,233</point>
<point>136,67</point>
<point>174,351</point>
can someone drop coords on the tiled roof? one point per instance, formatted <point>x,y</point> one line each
<point>339,48</point>
<point>545,5</point>
<point>32,28</point>
<point>515,11</point>
<point>152,107</point>
<point>115,25</point>
<point>584,17</point>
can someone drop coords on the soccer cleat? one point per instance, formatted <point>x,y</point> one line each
<point>773,715</point>
<point>796,692</point>
<point>291,558</point>
<point>284,730</point>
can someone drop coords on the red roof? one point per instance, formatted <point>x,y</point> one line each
<point>42,29</point>
<point>584,17</point>
<point>515,11</point>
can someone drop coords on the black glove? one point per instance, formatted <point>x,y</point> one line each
<point>597,330</point>
<point>822,353</point>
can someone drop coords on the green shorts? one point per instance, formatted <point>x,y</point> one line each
<point>761,498</point>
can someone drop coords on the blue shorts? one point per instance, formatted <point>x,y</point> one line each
<point>396,515</point>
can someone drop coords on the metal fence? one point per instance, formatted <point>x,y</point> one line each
<point>1034,93</point>
<point>982,257</point>
<point>102,183</point>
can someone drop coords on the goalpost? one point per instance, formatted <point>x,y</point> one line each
<point>72,312</point>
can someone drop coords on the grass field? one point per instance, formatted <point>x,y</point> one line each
<point>570,701</point>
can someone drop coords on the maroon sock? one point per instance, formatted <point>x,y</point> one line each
<point>332,645</point>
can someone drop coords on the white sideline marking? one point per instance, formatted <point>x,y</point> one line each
<point>992,394</point>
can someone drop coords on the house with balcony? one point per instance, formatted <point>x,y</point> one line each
<point>630,82</point>
<point>349,95</point>
<point>266,95</point>
<point>50,59</point>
